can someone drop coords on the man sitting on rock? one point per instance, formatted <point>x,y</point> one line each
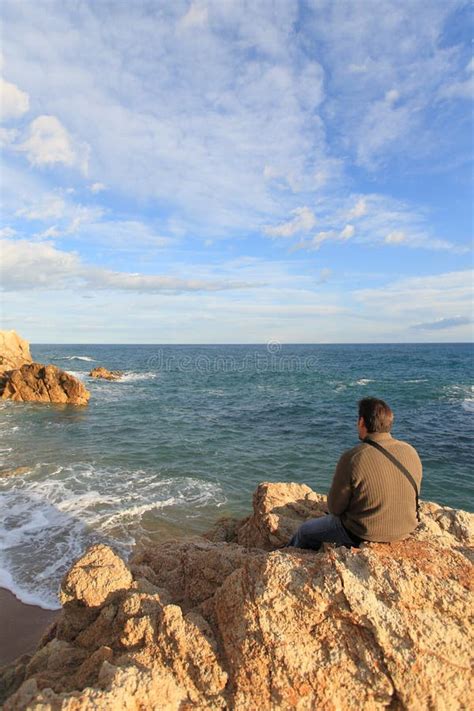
<point>374,492</point>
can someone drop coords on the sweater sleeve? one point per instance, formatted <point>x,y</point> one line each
<point>340,492</point>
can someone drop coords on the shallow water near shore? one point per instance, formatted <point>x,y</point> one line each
<point>189,432</point>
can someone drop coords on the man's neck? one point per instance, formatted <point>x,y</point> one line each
<point>378,436</point>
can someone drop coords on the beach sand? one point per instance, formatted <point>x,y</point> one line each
<point>21,626</point>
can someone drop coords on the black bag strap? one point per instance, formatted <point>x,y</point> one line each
<point>399,466</point>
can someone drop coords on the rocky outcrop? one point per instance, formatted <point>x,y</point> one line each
<point>42,383</point>
<point>278,509</point>
<point>229,624</point>
<point>101,372</point>
<point>22,380</point>
<point>14,351</point>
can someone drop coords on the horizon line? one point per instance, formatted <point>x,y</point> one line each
<point>260,343</point>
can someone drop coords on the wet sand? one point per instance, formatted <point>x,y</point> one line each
<point>21,626</point>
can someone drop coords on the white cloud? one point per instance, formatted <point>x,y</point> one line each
<point>97,187</point>
<point>7,232</point>
<point>315,242</point>
<point>48,143</point>
<point>392,96</point>
<point>7,136</point>
<point>195,17</point>
<point>13,101</point>
<point>69,218</point>
<point>324,275</point>
<point>328,173</point>
<point>228,116</point>
<point>49,233</point>
<point>129,235</point>
<point>432,297</point>
<point>359,209</point>
<point>380,221</point>
<point>357,68</point>
<point>396,237</point>
<point>44,208</point>
<point>26,265</point>
<point>383,125</point>
<point>81,216</point>
<point>347,232</point>
<point>318,239</point>
<point>458,89</point>
<point>444,323</point>
<point>310,85</point>
<point>40,265</point>
<point>303,221</point>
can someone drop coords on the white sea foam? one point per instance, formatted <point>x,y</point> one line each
<point>468,404</point>
<point>50,517</point>
<point>77,373</point>
<point>340,386</point>
<point>29,598</point>
<point>417,380</point>
<point>456,393</point>
<point>130,377</point>
<point>76,357</point>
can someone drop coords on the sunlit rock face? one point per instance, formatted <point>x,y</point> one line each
<point>14,351</point>
<point>211,623</point>
<point>35,382</point>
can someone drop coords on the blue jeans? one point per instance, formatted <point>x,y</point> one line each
<point>325,529</point>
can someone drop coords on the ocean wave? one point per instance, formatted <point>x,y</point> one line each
<point>458,392</point>
<point>127,377</point>
<point>50,517</point>
<point>468,404</point>
<point>76,357</point>
<point>363,381</point>
<point>130,377</point>
<point>77,373</point>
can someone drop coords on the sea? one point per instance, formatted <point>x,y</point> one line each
<point>189,431</point>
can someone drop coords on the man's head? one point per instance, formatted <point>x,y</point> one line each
<point>374,416</point>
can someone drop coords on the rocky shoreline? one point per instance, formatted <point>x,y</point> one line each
<point>232,621</point>
<point>23,380</point>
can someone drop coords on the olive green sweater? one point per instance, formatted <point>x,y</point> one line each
<point>371,495</point>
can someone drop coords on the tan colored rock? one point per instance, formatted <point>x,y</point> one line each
<point>14,351</point>
<point>278,510</point>
<point>449,527</point>
<point>42,383</point>
<point>17,471</point>
<point>190,571</point>
<point>101,372</point>
<point>380,627</point>
<point>128,689</point>
<point>217,625</point>
<point>94,577</point>
<point>225,530</point>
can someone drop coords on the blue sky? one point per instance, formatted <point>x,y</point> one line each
<point>219,171</point>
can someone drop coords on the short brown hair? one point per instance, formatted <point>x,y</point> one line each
<point>378,417</point>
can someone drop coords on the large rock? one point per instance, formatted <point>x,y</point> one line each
<point>200,624</point>
<point>278,510</point>
<point>96,576</point>
<point>101,372</point>
<point>14,351</point>
<point>42,383</point>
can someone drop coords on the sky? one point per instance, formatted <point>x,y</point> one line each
<point>236,171</point>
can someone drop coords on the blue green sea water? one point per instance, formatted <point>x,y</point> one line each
<point>190,431</point>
